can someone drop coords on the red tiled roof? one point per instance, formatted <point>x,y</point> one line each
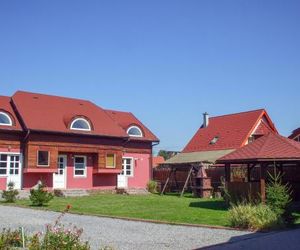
<point>156,160</point>
<point>127,119</point>
<point>53,113</point>
<point>232,131</point>
<point>5,106</point>
<point>268,147</point>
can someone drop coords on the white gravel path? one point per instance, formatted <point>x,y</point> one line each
<point>122,234</point>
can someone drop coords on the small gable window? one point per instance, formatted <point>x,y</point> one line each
<point>135,131</point>
<point>80,124</point>
<point>5,119</point>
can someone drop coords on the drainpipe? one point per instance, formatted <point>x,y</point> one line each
<point>151,161</point>
<point>23,148</point>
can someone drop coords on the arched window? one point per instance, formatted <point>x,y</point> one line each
<point>5,119</point>
<point>134,131</point>
<point>80,124</point>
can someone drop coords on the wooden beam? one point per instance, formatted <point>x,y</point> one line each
<point>227,172</point>
<point>186,181</point>
<point>263,170</point>
<point>167,182</point>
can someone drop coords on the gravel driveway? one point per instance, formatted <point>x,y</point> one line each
<point>122,234</point>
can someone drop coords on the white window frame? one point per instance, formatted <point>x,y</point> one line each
<point>37,158</point>
<point>8,117</point>
<point>83,129</point>
<point>132,166</point>
<point>9,154</point>
<point>85,167</point>
<point>136,127</point>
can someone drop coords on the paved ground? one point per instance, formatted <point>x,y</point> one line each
<point>122,234</point>
<point>289,240</point>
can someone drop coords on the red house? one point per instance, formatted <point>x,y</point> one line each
<point>295,135</point>
<point>217,137</point>
<point>71,144</point>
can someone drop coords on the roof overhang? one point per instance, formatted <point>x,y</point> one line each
<point>257,160</point>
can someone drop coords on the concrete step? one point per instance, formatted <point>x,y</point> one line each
<point>75,193</point>
<point>24,194</point>
<point>136,191</point>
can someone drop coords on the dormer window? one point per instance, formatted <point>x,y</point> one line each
<point>135,131</point>
<point>5,119</point>
<point>214,140</point>
<point>80,124</point>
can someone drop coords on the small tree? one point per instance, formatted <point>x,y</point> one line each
<point>40,196</point>
<point>278,197</point>
<point>10,195</point>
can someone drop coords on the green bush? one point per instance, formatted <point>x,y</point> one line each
<point>254,217</point>
<point>40,196</point>
<point>278,198</point>
<point>152,187</point>
<point>10,239</point>
<point>11,194</point>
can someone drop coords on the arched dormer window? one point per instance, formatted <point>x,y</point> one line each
<point>134,131</point>
<point>80,124</point>
<point>5,119</point>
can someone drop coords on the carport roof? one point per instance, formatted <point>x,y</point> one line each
<point>197,157</point>
<point>267,148</point>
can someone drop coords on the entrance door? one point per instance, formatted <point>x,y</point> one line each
<point>127,171</point>
<point>14,170</point>
<point>59,178</point>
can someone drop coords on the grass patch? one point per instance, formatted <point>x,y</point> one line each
<point>167,208</point>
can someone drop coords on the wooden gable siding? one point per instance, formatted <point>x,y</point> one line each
<point>56,145</point>
<point>10,140</point>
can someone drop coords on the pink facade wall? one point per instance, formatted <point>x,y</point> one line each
<point>79,182</point>
<point>141,171</point>
<point>3,181</point>
<point>31,179</point>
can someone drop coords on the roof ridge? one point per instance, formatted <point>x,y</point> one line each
<point>119,111</point>
<point>288,141</point>
<point>238,113</point>
<point>57,96</point>
<point>264,144</point>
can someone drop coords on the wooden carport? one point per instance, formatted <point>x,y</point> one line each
<point>271,150</point>
<point>191,163</point>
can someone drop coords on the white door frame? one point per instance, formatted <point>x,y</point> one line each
<point>18,184</point>
<point>65,160</point>
<point>123,177</point>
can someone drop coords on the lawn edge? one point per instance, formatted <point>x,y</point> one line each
<point>132,219</point>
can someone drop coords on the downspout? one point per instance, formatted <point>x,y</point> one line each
<point>23,148</point>
<point>151,161</point>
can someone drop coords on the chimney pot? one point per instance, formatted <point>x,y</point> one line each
<point>205,120</point>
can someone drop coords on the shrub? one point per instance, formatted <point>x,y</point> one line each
<point>11,194</point>
<point>58,237</point>
<point>10,239</point>
<point>40,196</point>
<point>152,187</point>
<point>254,217</point>
<point>278,198</point>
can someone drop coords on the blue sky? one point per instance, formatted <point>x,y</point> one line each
<point>167,61</point>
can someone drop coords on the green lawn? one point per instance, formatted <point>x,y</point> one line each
<point>167,208</point>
